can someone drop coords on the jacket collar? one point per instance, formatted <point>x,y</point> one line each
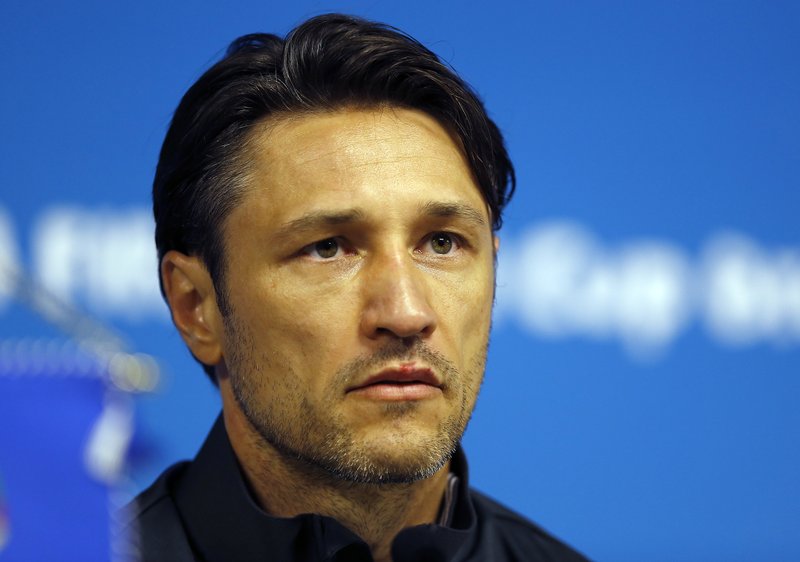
<point>224,522</point>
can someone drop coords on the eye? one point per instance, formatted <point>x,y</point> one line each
<point>441,242</point>
<point>324,249</point>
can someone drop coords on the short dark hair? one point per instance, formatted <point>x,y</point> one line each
<point>327,63</point>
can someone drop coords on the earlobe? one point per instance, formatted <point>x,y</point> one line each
<point>192,301</point>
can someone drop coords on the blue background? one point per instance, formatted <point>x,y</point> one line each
<point>630,123</point>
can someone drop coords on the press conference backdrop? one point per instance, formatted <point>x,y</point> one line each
<point>641,396</point>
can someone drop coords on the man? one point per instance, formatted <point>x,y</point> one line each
<point>326,214</point>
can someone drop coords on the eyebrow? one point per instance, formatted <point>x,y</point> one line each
<point>318,219</point>
<point>453,210</point>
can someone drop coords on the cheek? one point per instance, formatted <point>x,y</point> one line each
<point>323,293</point>
<point>279,305</point>
<point>477,291</point>
<point>301,330</point>
<point>465,315</point>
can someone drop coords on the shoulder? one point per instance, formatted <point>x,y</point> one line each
<point>150,526</point>
<point>507,535</point>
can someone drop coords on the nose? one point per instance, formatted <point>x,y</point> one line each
<point>397,300</point>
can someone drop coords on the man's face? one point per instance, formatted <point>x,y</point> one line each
<point>359,283</point>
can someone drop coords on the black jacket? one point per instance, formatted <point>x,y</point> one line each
<point>202,510</point>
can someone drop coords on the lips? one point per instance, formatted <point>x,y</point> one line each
<point>405,382</point>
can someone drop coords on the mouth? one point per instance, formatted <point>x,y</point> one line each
<point>405,382</point>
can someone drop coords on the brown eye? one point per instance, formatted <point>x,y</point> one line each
<point>441,243</point>
<point>327,248</point>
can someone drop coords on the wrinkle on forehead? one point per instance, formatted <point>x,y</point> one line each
<point>320,156</point>
<point>341,143</point>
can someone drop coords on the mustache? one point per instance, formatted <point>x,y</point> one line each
<point>396,351</point>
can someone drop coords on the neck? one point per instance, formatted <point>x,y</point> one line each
<point>285,487</point>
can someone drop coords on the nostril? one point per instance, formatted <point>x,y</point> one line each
<point>399,325</point>
<point>410,341</point>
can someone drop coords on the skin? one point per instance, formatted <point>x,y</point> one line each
<point>363,244</point>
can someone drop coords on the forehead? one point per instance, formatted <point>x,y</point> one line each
<point>372,156</point>
<point>308,137</point>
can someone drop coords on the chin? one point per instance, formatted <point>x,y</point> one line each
<point>396,456</point>
<point>396,467</point>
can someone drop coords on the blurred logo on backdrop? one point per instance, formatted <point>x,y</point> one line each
<point>556,280</point>
<point>559,280</point>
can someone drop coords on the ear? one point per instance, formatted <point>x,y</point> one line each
<point>193,303</point>
<point>496,242</point>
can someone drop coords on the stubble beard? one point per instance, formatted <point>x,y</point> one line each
<point>321,441</point>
